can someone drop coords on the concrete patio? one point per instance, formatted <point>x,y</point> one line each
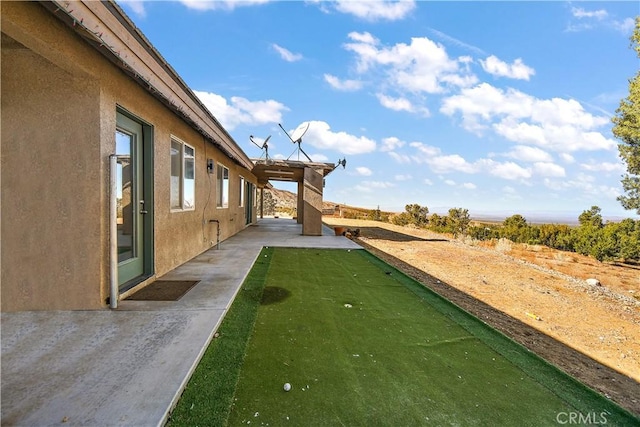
<point>128,366</point>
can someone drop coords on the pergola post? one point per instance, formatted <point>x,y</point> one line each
<point>300,202</point>
<point>262,202</point>
<point>312,201</point>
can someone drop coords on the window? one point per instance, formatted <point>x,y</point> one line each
<point>183,176</point>
<point>222,186</point>
<point>241,192</point>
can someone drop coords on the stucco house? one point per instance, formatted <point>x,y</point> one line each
<point>113,171</point>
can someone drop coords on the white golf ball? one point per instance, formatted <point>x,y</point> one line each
<point>287,387</point>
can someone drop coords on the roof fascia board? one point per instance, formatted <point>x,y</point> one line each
<point>115,36</point>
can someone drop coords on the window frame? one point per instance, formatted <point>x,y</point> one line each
<point>242,183</point>
<point>182,185</point>
<point>222,186</point>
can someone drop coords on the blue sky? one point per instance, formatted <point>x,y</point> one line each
<point>497,107</point>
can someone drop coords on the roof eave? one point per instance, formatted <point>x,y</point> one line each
<point>108,29</point>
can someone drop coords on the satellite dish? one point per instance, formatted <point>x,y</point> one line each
<point>296,138</point>
<point>264,146</point>
<point>342,163</point>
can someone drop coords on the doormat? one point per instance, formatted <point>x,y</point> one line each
<point>164,290</point>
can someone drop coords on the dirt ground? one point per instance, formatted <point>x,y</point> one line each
<point>537,296</point>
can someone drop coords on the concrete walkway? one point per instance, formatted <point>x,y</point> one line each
<point>129,366</point>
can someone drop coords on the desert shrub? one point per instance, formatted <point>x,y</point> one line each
<point>459,221</point>
<point>439,224</point>
<point>414,215</point>
<point>516,229</point>
<point>378,215</point>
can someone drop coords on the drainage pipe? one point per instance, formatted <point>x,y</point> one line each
<point>217,232</point>
<point>113,232</point>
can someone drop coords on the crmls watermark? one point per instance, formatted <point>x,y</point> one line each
<point>578,418</point>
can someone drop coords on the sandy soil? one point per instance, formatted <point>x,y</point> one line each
<point>537,296</point>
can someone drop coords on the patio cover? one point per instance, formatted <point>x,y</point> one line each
<point>310,178</point>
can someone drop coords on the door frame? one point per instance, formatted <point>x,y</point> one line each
<point>146,221</point>
<point>249,201</point>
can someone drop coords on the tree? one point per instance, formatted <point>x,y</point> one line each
<point>417,214</point>
<point>375,214</point>
<point>556,236</point>
<point>459,220</point>
<point>414,214</point>
<point>627,129</point>
<point>591,217</point>
<point>591,238</point>
<point>629,239</point>
<point>513,226</point>
<point>439,223</point>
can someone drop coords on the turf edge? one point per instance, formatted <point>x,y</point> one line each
<point>208,396</point>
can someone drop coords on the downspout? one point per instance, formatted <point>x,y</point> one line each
<point>113,232</point>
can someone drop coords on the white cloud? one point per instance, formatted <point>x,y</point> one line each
<point>516,70</point>
<point>511,193</point>
<point>319,157</point>
<point>450,182</point>
<point>220,4</point>
<point>364,38</point>
<point>420,67</point>
<point>370,186</point>
<point>241,110</point>
<point>625,26</point>
<point>528,154</point>
<point>286,54</point>
<point>396,104</point>
<point>567,158</point>
<point>555,124</point>
<point>507,170</point>
<point>469,186</point>
<point>137,6</point>
<point>426,150</point>
<point>600,18</point>
<point>541,163</point>
<point>585,184</point>
<point>376,10</point>
<point>321,136</point>
<point>403,177</point>
<point>428,181</point>
<point>592,166</point>
<point>379,184</point>
<point>343,85</point>
<point>457,42</point>
<point>549,169</point>
<point>401,104</point>
<point>363,171</point>
<point>450,163</point>
<point>400,158</point>
<point>391,143</point>
<point>580,13</point>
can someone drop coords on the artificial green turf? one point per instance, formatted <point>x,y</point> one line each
<point>363,344</point>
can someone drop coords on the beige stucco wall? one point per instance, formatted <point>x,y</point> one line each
<point>59,101</point>
<point>50,179</point>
